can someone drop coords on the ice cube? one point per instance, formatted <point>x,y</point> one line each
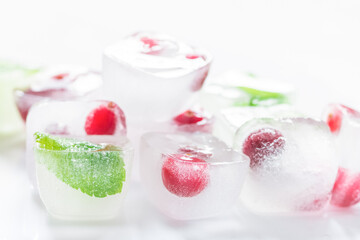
<point>293,165</point>
<point>73,118</point>
<point>58,83</point>
<point>190,176</point>
<point>12,76</point>
<point>145,68</point>
<point>234,89</point>
<point>82,178</point>
<point>193,120</point>
<point>229,120</point>
<point>344,123</point>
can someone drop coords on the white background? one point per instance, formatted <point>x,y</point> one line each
<point>314,44</point>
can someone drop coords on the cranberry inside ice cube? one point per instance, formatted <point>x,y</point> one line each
<point>105,119</point>
<point>188,117</point>
<point>60,76</point>
<point>185,175</point>
<point>149,42</point>
<point>263,144</point>
<point>335,117</point>
<point>346,191</point>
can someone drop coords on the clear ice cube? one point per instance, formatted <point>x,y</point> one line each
<point>190,176</point>
<point>82,178</point>
<point>145,68</point>
<point>58,83</point>
<point>95,121</point>
<point>229,120</point>
<point>12,76</point>
<point>293,165</point>
<point>344,123</point>
<point>235,89</point>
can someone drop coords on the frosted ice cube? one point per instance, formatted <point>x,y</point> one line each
<point>144,69</point>
<point>12,76</point>
<point>293,164</point>
<point>193,120</point>
<point>234,89</point>
<point>72,118</point>
<point>229,120</point>
<point>58,83</point>
<point>189,176</point>
<point>344,123</point>
<point>82,178</point>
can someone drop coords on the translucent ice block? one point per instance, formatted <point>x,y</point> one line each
<point>153,75</point>
<point>192,120</point>
<point>12,76</point>
<point>229,120</point>
<point>344,123</point>
<point>82,178</point>
<point>189,176</point>
<point>58,83</point>
<point>73,119</point>
<point>234,89</point>
<point>293,165</point>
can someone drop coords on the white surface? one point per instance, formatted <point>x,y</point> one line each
<point>312,43</point>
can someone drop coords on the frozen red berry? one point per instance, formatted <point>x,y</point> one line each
<point>60,76</point>
<point>192,56</point>
<point>335,117</point>
<point>188,117</point>
<point>334,120</point>
<point>104,120</point>
<point>149,42</point>
<point>185,175</point>
<point>346,191</point>
<point>262,144</point>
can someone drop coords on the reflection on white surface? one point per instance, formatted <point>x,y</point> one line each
<point>24,217</point>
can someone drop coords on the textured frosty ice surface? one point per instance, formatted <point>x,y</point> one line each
<point>58,83</point>
<point>234,89</point>
<point>12,76</point>
<point>67,118</point>
<point>230,119</point>
<point>185,189</point>
<point>300,178</point>
<point>153,75</point>
<point>80,179</point>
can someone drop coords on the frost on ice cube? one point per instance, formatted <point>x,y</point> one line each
<point>145,68</point>
<point>229,120</point>
<point>344,123</point>
<point>58,83</point>
<point>293,164</point>
<point>184,174</point>
<point>234,89</point>
<point>12,76</point>
<point>68,118</point>
<point>81,157</point>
